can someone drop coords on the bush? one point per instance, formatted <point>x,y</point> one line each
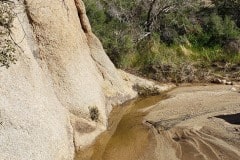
<point>216,31</point>
<point>112,33</point>
<point>207,33</point>
<point>94,113</point>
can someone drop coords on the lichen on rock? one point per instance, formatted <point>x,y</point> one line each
<point>7,45</point>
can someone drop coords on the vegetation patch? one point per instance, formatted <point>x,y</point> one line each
<point>94,113</point>
<point>146,90</point>
<point>7,45</point>
<point>174,40</point>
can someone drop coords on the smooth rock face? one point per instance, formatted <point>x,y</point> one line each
<point>34,124</point>
<point>62,70</point>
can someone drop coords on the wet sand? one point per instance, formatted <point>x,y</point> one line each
<point>197,123</point>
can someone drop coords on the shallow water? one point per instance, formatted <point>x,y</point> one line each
<point>126,137</point>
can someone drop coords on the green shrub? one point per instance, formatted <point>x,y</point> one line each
<point>216,31</point>
<point>156,51</point>
<point>112,33</point>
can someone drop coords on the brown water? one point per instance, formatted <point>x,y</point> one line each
<point>126,138</point>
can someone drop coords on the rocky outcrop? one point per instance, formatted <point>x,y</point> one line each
<point>62,71</point>
<point>143,86</point>
<point>232,46</point>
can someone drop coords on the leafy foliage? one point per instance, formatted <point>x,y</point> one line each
<point>112,32</point>
<point>167,38</point>
<point>230,8</point>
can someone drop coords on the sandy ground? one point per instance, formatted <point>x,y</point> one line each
<point>197,123</point>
